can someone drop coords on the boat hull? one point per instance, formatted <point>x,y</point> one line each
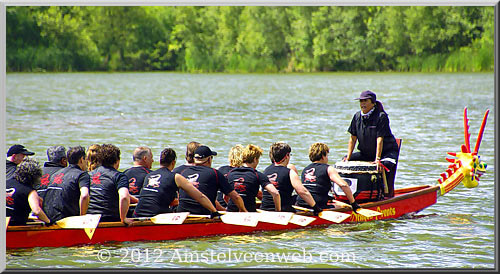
<point>406,201</point>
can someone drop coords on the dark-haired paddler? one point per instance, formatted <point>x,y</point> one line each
<point>161,186</point>
<point>109,194</point>
<point>68,191</point>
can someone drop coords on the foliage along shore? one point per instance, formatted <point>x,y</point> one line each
<point>250,39</point>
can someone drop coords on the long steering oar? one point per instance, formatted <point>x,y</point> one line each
<point>88,222</point>
<point>332,216</point>
<point>363,211</point>
<point>273,217</point>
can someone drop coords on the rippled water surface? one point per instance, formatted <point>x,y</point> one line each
<point>169,109</point>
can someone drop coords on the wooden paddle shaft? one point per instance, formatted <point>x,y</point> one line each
<point>386,187</point>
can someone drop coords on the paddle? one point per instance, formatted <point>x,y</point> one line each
<point>301,220</point>
<point>170,218</point>
<point>88,222</point>
<point>241,218</point>
<point>7,220</point>
<point>273,217</point>
<point>167,218</point>
<point>332,216</point>
<point>235,218</point>
<point>363,211</point>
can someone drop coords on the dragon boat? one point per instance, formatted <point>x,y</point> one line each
<point>467,167</point>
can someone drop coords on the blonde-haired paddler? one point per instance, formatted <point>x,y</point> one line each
<point>247,180</point>
<point>318,176</point>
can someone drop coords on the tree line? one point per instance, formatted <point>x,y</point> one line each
<point>250,38</point>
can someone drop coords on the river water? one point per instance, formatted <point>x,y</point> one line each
<point>170,109</point>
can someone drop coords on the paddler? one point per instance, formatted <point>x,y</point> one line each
<point>285,178</point>
<point>109,194</point>
<point>370,127</point>
<point>247,181</point>
<point>93,160</point>
<point>143,161</point>
<point>21,197</point>
<point>190,148</point>
<point>234,158</point>
<point>15,155</point>
<point>161,186</point>
<point>57,160</point>
<point>318,177</point>
<point>68,191</point>
<point>208,181</point>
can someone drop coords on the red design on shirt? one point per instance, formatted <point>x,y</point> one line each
<point>10,196</point>
<point>58,178</point>
<point>132,188</point>
<point>309,175</point>
<point>272,178</point>
<point>95,179</point>
<point>239,185</point>
<point>44,181</point>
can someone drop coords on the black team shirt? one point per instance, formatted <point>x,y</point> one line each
<point>158,191</point>
<point>367,129</point>
<point>247,182</point>
<point>104,199</point>
<point>62,197</point>
<point>220,197</point>
<point>10,167</point>
<point>136,177</point>
<point>207,180</point>
<point>279,176</point>
<point>315,178</point>
<point>48,169</point>
<point>17,206</point>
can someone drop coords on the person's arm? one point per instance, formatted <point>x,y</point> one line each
<point>301,189</point>
<point>292,167</point>
<point>350,147</point>
<point>276,196</point>
<point>133,199</point>
<point>237,200</point>
<point>34,202</point>
<point>259,195</point>
<point>335,177</point>
<point>124,203</point>
<point>218,206</point>
<point>84,184</point>
<point>193,192</point>
<point>84,200</point>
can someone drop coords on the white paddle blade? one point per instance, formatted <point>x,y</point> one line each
<point>368,212</point>
<point>332,216</point>
<point>88,222</point>
<point>241,218</point>
<point>84,221</point>
<point>301,220</point>
<point>279,218</point>
<point>170,218</point>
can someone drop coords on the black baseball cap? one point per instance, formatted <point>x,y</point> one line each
<point>19,149</point>
<point>367,94</point>
<point>203,152</point>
